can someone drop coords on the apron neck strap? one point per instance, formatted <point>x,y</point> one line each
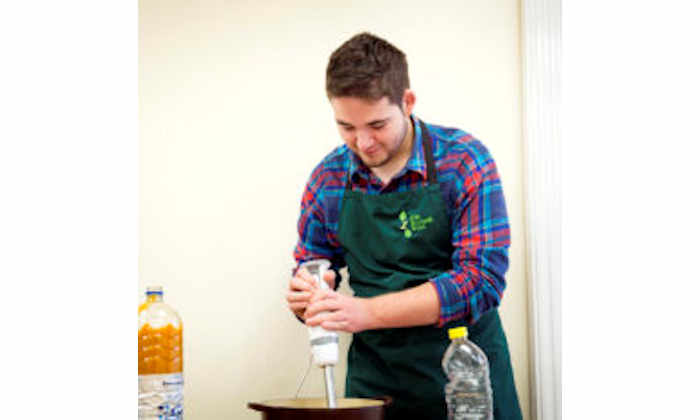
<point>427,154</point>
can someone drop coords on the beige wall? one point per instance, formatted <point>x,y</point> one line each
<point>233,117</point>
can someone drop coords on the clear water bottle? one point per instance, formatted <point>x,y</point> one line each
<point>468,390</point>
<point>160,359</point>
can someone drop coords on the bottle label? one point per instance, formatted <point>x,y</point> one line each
<point>161,396</point>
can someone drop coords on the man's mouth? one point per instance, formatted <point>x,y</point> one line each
<point>371,150</point>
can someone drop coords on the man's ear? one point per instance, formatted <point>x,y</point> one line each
<point>407,102</point>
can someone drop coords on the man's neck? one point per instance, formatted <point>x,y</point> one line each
<point>387,171</point>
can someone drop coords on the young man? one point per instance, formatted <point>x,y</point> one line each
<point>416,212</point>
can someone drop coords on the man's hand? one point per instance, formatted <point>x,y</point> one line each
<point>301,288</point>
<point>344,313</point>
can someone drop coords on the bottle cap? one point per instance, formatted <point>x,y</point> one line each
<point>154,290</point>
<point>457,332</point>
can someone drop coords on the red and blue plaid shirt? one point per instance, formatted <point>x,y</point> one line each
<point>476,206</point>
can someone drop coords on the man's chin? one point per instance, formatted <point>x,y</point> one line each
<point>374,162</point>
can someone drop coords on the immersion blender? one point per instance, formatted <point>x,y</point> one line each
<point>324,344</point>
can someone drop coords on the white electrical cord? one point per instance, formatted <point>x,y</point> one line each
<point>308,368</point>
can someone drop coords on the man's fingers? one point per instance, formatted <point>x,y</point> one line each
<point>321,306</point>
<point>299,284</point>
<point>313,319</point>
<point>335,325</point>
<point>298,306</point>
<point>329,277</point>
<point>298,296</point>
<point>320,294</point>
<point>305,276</point>
<point>336,316</point>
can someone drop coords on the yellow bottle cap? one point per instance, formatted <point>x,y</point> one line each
<point>457,332</point>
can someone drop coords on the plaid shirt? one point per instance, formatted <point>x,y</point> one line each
<point>473,195</point>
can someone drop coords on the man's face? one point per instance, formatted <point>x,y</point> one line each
<point>374,130</point>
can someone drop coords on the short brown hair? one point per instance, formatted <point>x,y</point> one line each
<point>368,67</point>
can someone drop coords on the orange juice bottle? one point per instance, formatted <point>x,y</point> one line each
<point>160,358</point>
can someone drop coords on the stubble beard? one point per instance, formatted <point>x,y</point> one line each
<point>391,153</point>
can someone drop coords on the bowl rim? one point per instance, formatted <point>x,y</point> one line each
<point>261,406</point>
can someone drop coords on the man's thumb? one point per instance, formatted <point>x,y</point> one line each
<point>329,277</point>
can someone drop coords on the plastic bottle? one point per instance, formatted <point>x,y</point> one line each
<point>468,390</point>
<point>160,359</point>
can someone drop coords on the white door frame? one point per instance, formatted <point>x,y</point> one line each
<point>541,64</point>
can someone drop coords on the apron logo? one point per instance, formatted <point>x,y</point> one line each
<point>413,223</point>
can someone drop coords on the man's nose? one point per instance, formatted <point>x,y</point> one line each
<point>364,140</point>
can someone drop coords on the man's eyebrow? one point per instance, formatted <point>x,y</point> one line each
<point>374,122</point>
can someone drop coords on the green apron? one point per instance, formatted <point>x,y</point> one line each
<point>393,242</point>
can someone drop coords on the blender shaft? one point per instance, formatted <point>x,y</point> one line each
<point>330,387</point>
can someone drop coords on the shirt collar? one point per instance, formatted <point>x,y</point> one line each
<point>416,162</point>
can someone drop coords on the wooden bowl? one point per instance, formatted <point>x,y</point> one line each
<point>315,408</point>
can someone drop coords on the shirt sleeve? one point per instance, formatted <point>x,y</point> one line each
<point>480,237</point>
<point>316,240</point>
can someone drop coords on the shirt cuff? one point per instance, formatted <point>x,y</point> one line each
<point>452,303</point>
